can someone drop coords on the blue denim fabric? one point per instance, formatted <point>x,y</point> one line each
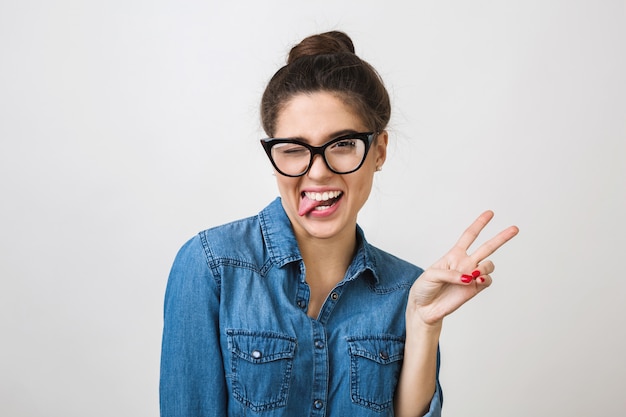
<point>237,340</point>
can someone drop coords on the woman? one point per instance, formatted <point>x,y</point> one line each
<point>291,312</point>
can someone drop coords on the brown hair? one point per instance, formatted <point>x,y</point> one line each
<point>327,62</point>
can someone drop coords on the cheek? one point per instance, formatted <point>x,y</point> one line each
<point>362,184</point>
<point>286,186</point>
<point>372,158</point>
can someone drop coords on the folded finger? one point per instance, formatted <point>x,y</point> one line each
<point>484,268</point>
<point>447,276</point>
<point>484,281</point>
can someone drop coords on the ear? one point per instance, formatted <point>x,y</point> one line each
<point>380,148</point>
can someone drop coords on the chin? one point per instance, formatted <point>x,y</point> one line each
<point>329,230</point>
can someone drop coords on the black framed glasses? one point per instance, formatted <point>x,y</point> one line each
<point>342,155</point>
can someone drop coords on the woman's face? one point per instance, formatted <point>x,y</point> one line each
<point>315,119</point>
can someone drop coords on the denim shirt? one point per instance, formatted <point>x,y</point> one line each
<point>237,340</point>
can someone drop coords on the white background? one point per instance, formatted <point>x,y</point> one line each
<point>128,126</point>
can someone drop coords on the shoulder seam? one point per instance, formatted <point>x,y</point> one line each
<point>209,259</point>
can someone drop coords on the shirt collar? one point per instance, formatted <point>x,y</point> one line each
<point>278,234</point>
<point>283,248</point>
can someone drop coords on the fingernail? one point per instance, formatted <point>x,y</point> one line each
<point>466,278</point>
<point>476,274</point>
<point>481,280</point>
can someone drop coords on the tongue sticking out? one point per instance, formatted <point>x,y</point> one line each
<point>307,205</point>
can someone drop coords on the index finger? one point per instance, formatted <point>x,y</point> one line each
<point>471,233</point>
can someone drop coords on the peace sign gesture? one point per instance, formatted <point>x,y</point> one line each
<point>457,276</point>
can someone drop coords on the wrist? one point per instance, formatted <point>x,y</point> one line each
<point>417,326</point>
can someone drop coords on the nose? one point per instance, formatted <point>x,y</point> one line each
<point>319,170</point>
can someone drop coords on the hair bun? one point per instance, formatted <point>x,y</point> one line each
<point>324,43</point>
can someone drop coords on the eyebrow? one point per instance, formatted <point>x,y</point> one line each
<point>330,137</point>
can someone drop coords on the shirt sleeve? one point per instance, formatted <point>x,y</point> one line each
<point>435,403</point>
<point>192,381</point>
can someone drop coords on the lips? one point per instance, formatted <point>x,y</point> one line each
<point>317,201</point>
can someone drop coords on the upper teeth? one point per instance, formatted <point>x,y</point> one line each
<point>326,195</point>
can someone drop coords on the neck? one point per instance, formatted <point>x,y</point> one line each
<point>326,262</point>
<point>327,259</point>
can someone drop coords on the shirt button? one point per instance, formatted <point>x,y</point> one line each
<point>383,355</point>
<point>319,344</point>
<point>318,404</point>
<point>301,303</point>
<point>334,295</point>
<point>256,354</point>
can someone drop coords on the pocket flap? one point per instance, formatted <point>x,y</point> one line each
<point>380,349</point>
<point>261,347</point>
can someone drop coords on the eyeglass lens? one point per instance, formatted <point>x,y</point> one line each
<point>342,156</point>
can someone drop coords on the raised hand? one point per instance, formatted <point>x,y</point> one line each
<point>457,276</point>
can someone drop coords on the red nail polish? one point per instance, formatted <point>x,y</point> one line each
<point>481,280</point>
<point>466,278</point>
<point>476,274</point>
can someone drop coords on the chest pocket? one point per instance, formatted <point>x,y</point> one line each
<point>375,364</point>
<point>261,365</point>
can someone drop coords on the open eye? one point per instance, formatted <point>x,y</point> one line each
<point>344,146</point>
<point>345,143</point>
